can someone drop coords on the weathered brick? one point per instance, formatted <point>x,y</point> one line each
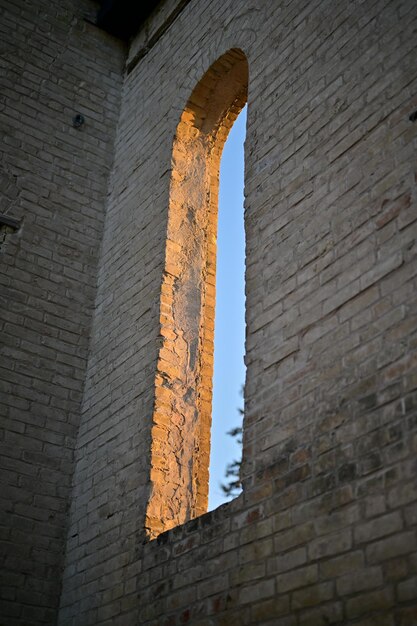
<point>402,494</point>
<point>297,578</point>
<point>270,609</point>
<point>370,601</point>
<point>380,619</point>
<point>309,596</point>
<point>325,614</point>
<point>331,544</point>
<point>295,536</point>
<point>378,527</point>
<point>359,580</point>
<point>287,561</point>
<point>257,591</point>
<point>340,565</point>
<point>94,294</point>
<point>407,590</point>
<point>391,547</point>
<point>407,616</point>
<point>260,549</point>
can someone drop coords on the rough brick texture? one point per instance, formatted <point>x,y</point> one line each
<point>54,179</point>
<point>325,530</point>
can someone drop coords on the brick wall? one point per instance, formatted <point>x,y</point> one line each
<point>53,178</point>
<point>325,530</point>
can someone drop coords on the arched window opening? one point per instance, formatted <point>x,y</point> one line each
<point>229,333</point>
<point>180,435</point>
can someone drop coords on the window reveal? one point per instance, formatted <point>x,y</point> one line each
<point>180,447</point>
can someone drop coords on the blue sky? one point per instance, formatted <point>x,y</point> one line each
<point>229,368</point>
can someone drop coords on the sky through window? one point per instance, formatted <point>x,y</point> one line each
<point>229,340</point>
